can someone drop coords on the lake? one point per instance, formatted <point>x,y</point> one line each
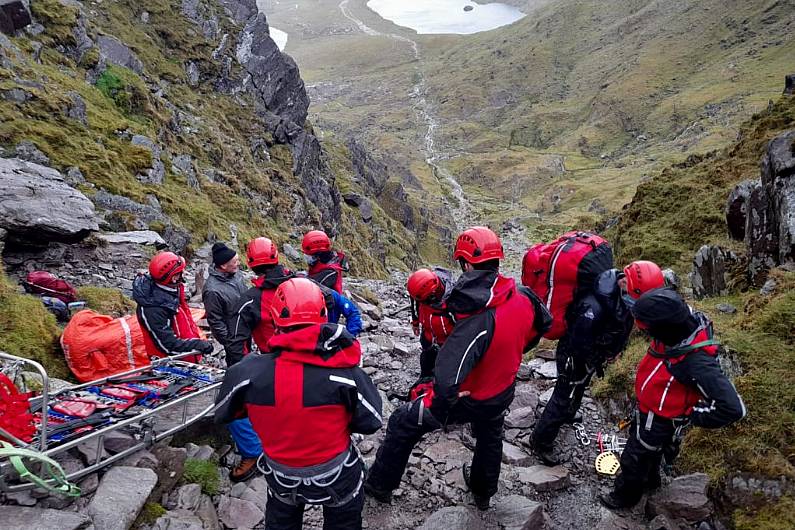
<point>445,16</point>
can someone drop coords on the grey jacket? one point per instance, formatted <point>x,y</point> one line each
<point>220,294</point>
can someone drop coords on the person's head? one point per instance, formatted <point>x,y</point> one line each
<point>665,316</point>
<point>314,244</point>
<point>298,302</point>
<point>641,277</point>
<point>261,255</point>
<point>425,285</point>
<point>225,259</point>
<point>166,269</point>
<point>478,248</point>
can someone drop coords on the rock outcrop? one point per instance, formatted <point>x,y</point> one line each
<point>737,208</point>
<point>789,85</point>
<point>685,497</point>
<point>711,274</point>
<point>14,16</point>
<point>37,205</point>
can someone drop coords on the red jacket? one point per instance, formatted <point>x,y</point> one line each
<point>330,273</point>
<point>304,399</point>
<point>435,323</point>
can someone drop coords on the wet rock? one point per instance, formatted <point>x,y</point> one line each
<point>28,151</point>
<point>237,513</point>
<point>523,418</point>
<point>22,518</point>
<point>115,52</point>
<point>120,497</point>
<point>136,237</point>
<point>515,512</point>
<point>711,271</point>
<point>453,518</point>
<point>157,171</point>
<point>515,456</point>
<point>737,208</point>
<point>544,478</point>
<point>685,497</point>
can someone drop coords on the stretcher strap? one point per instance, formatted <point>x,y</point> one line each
<point>57,482</point>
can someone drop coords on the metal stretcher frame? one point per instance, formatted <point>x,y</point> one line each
<point>149,437</point>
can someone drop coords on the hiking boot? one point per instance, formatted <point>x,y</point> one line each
<point>653,482</point>
<point>481,501</point>
<point>613,502</point>
<point>382,496</point>
<point>549,457</point>
<point>246,469</point>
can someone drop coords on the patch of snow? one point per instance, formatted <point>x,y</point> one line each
<point>445,16</point>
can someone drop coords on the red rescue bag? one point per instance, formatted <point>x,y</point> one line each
<point>15,415</point>
<point>44,283</point>
<point>563,270</point>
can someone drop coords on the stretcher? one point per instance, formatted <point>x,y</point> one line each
<point>149,403</point>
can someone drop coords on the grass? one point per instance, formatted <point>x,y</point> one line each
<point>28,330</point>
<point>779,516</point>
<point>204,473</point>
<point>106,300</point>
<point>150,513</point>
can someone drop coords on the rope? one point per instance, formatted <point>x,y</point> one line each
<point>57,483</point>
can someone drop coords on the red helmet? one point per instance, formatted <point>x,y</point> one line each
<point>165,266</point>
<point>643,276</point>
<point>314,242</point>
<point>423,285</point>
<point>477,245</point>
<point>262,251</point>
<point>298,301</point>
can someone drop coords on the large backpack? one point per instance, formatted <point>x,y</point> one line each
<point>564,270</point>
<point>44,283</point>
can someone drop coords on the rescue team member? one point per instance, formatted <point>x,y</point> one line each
<point>679,382</point>
<point>163,312</point>
<point>326,266</point>
<point>224,286</point>
<point>305,397</point>
<point>430,319</point>
<point>597,330</point>
<point>475,370</point>
<point>340,306</point>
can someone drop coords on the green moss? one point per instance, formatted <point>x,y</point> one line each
<point>778,516</point>
<point>204,473</point>
<point>106,300</point>
<point>58,20</point>
<point>619,379</point>
<point>150,513</point>
<point>28,330</point>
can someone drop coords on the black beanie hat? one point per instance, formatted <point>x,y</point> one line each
<point>666,314</point>
<point>222,254</point>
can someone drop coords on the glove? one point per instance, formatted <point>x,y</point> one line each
<point>204,347</point>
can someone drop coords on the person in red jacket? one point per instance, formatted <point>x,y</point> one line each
<point>679,382</point>
<point>430,319</point>
<point>475,373</point>
<point>326,266</point>
<point>305,397</point>
<point>251,323</point>
<point>163,312</point>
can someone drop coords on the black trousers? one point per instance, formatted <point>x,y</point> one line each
<point>649,440</point>
<point>412,421</point>
<point>428,358</point>
<point>280,515</point>
<point>574,376</point>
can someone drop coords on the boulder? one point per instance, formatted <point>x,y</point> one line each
<point>525,396</point>
<point>116,52</point>
<point>14,16</point>
<point>523,418</point>
<point>515,456</point>
<point>122,493</point>
<point>29,152</point>
<point>178,520</point>
<point>188,497</point>
<point>753,492</point>
<point>157,171</point>
<point>548,370</point>
<point>515,512</point>
<point>136,237</point>
<point>207,513</point>
<point>21,518</point>
<point>544,478</point>
<point>453,518</point>
<point>237,513</point>
<point>685,497</point>
<point>711,271</point>
<point>737,208</point>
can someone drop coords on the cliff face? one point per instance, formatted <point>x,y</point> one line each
<point>177,115</point>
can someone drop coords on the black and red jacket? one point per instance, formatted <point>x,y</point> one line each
<point>252,316</point>
<point>330,270</point>
<point>305,398</point>
<point>434,320</point>
<point>496,323</point>
<point>686,381</point>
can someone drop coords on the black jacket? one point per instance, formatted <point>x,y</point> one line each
<point>157,306</point>
<point>220,295</point>
<point>598,325</point>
